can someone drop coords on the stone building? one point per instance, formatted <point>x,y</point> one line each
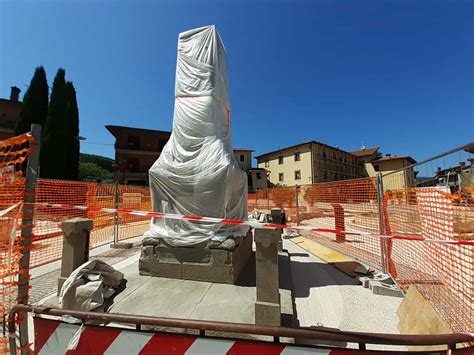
<point>136,149</point>
<point>310,162</point>
<point>244,158</point>
<point>10,113</point>
<point>257,177</point>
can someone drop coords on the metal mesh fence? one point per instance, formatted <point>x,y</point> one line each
<point>13,155</point>
<point>93,196</point>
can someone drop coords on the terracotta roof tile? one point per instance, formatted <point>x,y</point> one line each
<point>364,152</point>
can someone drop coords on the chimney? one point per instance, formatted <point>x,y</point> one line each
<point>462,165</point>
<point>15,94</point>
<point>439,169</point>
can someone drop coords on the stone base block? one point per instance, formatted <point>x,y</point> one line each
<point>202,262</point>
<point>121,245</point>
<point>267,313</point>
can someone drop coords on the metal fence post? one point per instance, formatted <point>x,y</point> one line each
<point>116,217</point>
<point>380,202</point>
<point>297,204</point>
<point>27,229</point>
<point>256,198</point>
<point>268,199</point>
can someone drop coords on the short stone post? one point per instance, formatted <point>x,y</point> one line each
<point>278,218</point>
<point>339,222</point>
<point>75,246</point>
<point>267,306</point>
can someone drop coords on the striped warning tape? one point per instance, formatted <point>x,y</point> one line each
<point>53,337</point>
<point>253,224</point>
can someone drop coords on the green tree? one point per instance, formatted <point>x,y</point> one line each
<point>92,171</point>
<point>72,131</point>
<point>34,108</point>
<point>103,162</point>
<point>55,140</point>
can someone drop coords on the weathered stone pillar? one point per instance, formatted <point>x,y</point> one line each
<point>278,218</point>
<point>267,306</point>
<point>75,246</point>
<point>339,222</point>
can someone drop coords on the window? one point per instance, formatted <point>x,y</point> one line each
<point>242,157</point>
<point>134,142</point>
<point>297,156</point>
<point>259,176</point>
<point>376,167</point>
<point>280,160</point>
<point>267,163</point>
<point>325,175</point>
<point>297,174</point>
<point>280,177</point>
<point>133,165</point>
<point>324,154</point>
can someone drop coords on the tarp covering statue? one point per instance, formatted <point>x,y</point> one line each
<point>196,173</point>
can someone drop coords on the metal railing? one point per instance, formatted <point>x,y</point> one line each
<point>315,333</point>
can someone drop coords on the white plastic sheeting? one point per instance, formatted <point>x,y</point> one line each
<point>89,286</point>
<point>196,173</point>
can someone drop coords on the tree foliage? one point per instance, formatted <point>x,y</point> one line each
<point>34,108</point>
<point>60,145</point>
<point>54,150</point>
<point>72,131</point>
<point>92,171</point>
<point>103,162</point>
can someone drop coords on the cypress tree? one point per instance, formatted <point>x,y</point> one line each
<point>55,140</point>
<point>72,122</point>
<point>34,108</point>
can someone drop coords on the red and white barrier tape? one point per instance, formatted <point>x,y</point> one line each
<point>253,224</point>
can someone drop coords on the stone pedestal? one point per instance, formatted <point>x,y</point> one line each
<point>75,246</point>
<point>268,305</point>
<point>212,262</point>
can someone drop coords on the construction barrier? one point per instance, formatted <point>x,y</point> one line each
<point>54,337</point>
<point>13,155</point>
<point>347,216</point>
<point>441,267</point>
<point>421,236</point>
<point>443,273</point>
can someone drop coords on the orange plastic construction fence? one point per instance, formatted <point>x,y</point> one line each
<point>13,155</point>
<point>443,273</point>
<point>48,219</point>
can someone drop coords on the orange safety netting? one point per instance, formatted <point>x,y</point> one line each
<point>350,206</point>
<point>443,273</point>
<point>48,219</point>
<point>13,155</point>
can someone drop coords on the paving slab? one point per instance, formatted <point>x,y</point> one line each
<point>325,296</point>
<point>189,299</point>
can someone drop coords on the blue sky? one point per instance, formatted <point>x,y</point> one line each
<point>395,74</point>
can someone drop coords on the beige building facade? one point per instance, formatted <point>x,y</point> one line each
<point>257,177</point>
<point>244,158</point>
<point>388,164</point>
<point>309,163</point>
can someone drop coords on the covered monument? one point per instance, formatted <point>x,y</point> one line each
<point>196,173</point>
